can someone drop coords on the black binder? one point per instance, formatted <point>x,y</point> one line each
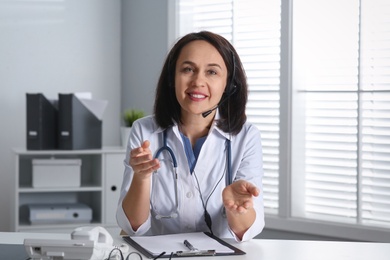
<point>78,127</point>
<point>41,122</point>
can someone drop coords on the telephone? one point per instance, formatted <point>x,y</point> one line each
<point>87,242</point>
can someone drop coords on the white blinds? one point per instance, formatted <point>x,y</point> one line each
<point>257,41</point>
<point>253,27</point>
<point>325,81</point>
<point>215,16</point>
<point>375,112</point>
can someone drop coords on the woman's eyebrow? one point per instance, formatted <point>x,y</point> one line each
<point>209,65</point>
<point>215,65</point>
<point>188,62</point>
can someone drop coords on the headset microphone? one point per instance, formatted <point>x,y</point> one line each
<point>208,112</point>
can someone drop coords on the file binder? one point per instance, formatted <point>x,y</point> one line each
<point>78,127</point>
<point>41,122</point>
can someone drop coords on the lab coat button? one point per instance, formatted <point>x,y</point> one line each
<point>189,194</point>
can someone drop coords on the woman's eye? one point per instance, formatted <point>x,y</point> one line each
<point>187,69</point>
<point>212,72</point>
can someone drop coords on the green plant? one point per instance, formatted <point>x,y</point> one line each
<point>130,115</point>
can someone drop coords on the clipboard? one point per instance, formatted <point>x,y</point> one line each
<point>150,254</point>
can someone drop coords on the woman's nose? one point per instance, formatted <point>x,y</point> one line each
<point>199,80</point>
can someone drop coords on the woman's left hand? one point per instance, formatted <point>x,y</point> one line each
<point>238,196</point>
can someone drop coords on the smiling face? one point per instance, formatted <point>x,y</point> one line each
<point>200,78</point>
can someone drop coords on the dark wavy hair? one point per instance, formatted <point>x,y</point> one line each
<point>232,110</point>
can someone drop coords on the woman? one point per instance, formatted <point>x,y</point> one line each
<point>199,112</point>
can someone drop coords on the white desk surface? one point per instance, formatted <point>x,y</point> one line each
<point>259,249</point>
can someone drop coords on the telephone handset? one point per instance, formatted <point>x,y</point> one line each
<point>87,242</point>
<point>97,234</point>
<point>103,241</point>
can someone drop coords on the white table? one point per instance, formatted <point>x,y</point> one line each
<point>258,249</point>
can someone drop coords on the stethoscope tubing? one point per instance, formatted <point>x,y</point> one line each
<point>168,149</point>
<point>165,147</point>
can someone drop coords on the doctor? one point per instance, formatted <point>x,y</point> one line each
<point>196,164</point>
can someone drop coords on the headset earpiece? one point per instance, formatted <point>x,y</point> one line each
<point>231,87</point>
<point>230,90</point>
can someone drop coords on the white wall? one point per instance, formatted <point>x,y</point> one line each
<point>146,38</point>
<point>51,47</point>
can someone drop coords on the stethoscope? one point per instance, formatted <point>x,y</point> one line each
<point>166,148</point>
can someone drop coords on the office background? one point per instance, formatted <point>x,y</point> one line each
<point>113,49</point>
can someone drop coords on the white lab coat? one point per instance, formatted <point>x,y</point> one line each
<point>210,170</point>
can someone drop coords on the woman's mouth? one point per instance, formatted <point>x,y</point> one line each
<point>197,96</point>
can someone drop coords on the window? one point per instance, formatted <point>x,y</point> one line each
<point>341,71</point>
<point>321,99</point>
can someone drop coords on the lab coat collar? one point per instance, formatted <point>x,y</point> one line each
<point>213,127</point>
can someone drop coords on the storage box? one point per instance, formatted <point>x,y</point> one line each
<point>62,213</point>
<point>53,173</point>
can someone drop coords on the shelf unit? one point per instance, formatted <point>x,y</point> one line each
<point>101,179</point>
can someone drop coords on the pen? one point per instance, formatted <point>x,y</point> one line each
<point>189,246</point>
<point>160,255</point>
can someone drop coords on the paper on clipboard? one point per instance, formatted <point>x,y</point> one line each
<point>175,242</point>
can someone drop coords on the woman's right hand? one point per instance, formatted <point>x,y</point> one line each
<point>142,161</point>
<point>136,203</point>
